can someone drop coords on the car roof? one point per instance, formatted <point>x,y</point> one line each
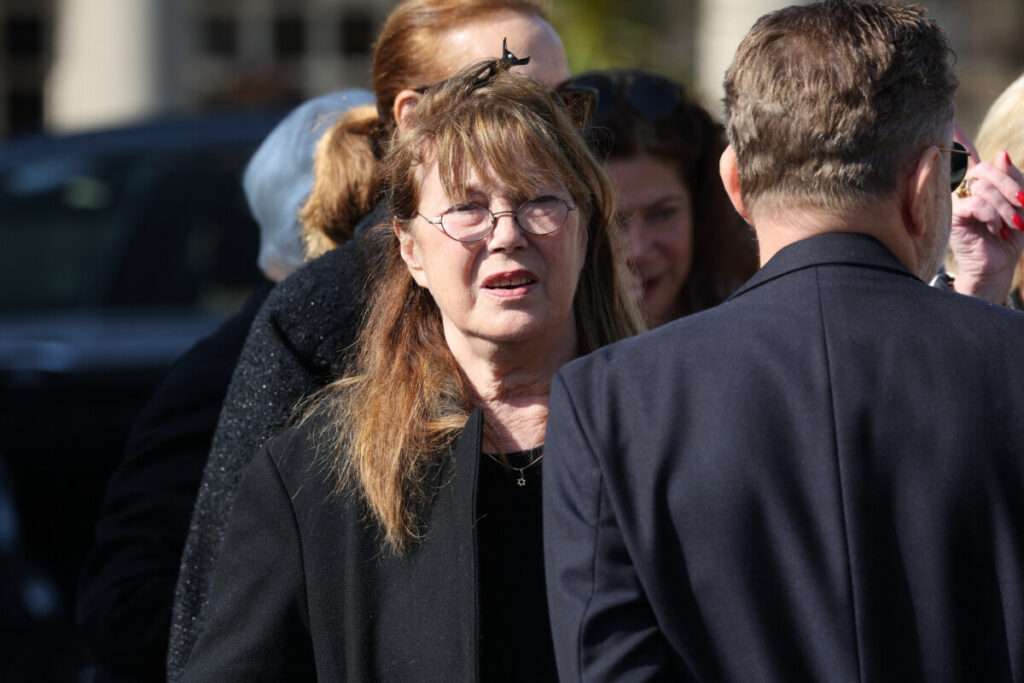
<point>177,133</point>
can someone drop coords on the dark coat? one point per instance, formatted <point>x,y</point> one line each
<point>296,345</point>
<point>126,589</point>
<point>820,480</point>
<point>305,592</point>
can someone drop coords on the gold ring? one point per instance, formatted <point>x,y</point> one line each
<point>963,190</point>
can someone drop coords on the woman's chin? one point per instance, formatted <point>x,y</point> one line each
<point>521,327</point>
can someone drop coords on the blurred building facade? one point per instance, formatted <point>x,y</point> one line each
<point>72,64</point>
<point>78,64</point>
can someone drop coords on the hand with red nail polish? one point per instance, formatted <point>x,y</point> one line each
<point>985,234</point>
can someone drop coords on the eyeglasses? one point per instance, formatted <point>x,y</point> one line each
<point>959,160</point>
<point>473,222</point>
<point>650,96</point>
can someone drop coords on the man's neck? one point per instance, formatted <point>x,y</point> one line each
<point>778,228</point>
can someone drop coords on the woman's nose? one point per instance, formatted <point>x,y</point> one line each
<point>507,234</point>
<point>637,237</point>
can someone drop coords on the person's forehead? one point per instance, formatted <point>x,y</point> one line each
<point>528,36</point>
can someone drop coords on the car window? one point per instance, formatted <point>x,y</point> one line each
<point>139,228</point>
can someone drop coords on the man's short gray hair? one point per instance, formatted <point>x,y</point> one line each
<point>827,104</point>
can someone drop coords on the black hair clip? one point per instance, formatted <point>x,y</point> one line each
<point>509,60</point>
<point>491,69</point>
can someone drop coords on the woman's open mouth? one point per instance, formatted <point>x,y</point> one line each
<point>510,284</point>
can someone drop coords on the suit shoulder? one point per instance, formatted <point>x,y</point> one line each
<point>654,346</point>
<point>320,279</point>
<point>317,308</point>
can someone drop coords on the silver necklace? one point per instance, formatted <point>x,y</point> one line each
<point>521,481</point>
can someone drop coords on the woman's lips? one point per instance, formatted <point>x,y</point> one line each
<point>509,284</point>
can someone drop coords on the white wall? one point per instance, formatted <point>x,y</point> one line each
<point>114,62</point>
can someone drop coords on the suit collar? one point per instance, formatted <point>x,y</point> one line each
<point>835,248</point>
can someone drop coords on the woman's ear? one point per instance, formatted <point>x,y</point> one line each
<point>729,170</point>
<point>405,102</point>
<point>410,253</point>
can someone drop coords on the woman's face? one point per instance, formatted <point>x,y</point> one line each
<point>656,213</point>
<point>511,286</point>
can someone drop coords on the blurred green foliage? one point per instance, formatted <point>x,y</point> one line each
<point>601,34</point>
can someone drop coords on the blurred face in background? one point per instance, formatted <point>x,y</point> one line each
<point>656,214</point>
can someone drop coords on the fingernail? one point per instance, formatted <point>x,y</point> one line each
<point>1008,159</point>
<point>1004,232</point>
<point>1018,221</point>
<point>1020,197</point>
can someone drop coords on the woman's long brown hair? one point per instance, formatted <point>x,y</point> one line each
<point>405,399</point>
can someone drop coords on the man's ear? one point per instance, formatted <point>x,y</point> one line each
<point>405,102</point>
<point>410,253</point>
<point>919,193</point>
<point>729,169</point>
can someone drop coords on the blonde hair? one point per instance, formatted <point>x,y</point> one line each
<point>1003,129</point>
<point>405,399</point>
<point>407,55</point>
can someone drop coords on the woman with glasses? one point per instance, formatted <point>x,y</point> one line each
<point>395,534</point>
<point>688,248</point>
<point>297,340</point>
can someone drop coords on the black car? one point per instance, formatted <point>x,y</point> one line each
<point>118,250</point>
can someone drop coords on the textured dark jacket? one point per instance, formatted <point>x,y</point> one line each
<point>304,591</point>
<point>296,345</point>
<point>820,480</point>
<point>126,589</point>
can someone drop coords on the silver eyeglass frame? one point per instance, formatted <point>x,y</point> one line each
<point>439,221</point>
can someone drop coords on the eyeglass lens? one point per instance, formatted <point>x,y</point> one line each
<point>471,222</point>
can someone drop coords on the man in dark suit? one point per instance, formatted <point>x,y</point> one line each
<point>823,478</point>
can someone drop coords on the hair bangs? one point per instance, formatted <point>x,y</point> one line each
<point>503,146</point>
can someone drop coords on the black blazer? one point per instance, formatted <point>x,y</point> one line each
<point>303,590</point>
<point>820,480</point>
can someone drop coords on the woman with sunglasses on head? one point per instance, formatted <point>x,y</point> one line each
<point>296,342</point>
<point>688,248</point>
<point>395,535</point>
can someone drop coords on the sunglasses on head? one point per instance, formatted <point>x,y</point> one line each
<point>959,160</point>
<point>649,96</point>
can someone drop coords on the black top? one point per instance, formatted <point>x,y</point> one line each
<point>819,480</point>
<point>515,638</point>
<point>124,602</point>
